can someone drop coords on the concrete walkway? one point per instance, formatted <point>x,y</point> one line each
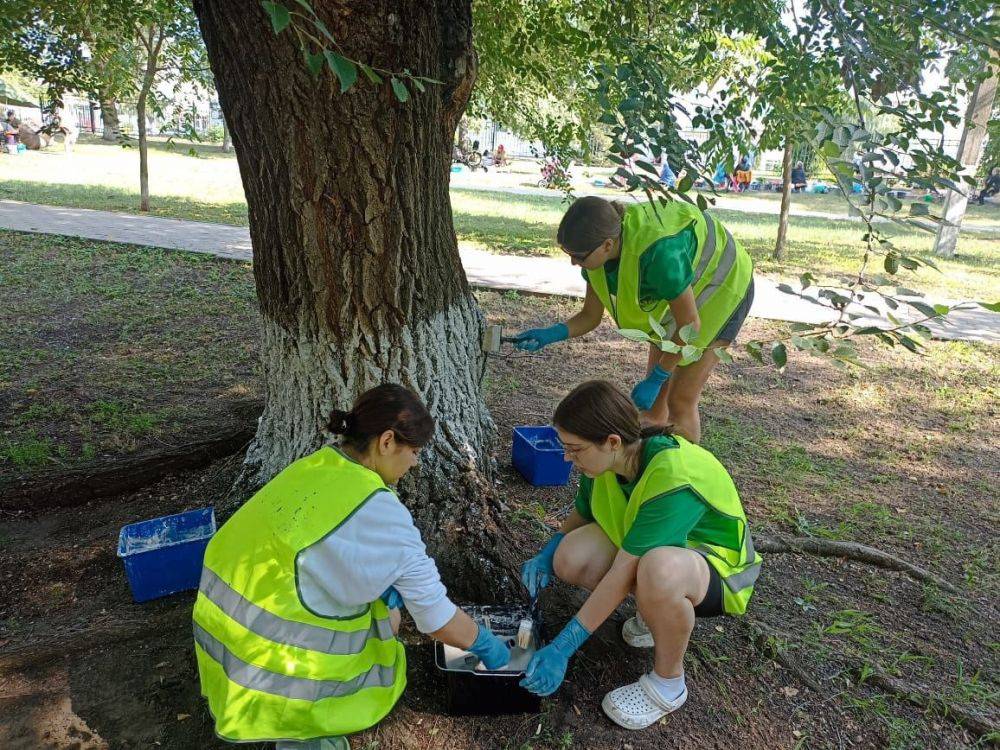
<point>484,270</point>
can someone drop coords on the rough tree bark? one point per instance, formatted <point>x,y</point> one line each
<point>355,257</point>
<point>109,119</point>
<point>786,199</point>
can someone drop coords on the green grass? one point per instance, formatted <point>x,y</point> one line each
<point>207,187</point>
<point>117,348</point>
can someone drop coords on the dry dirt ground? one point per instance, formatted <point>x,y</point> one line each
<point>902,456</point>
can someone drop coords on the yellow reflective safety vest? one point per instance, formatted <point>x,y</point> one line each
<point>722,270</point>
<point>687,466</point>
<point>270,668</point>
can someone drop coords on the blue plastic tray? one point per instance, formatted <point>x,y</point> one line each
<point>164,555</point>
<point>538,454</point>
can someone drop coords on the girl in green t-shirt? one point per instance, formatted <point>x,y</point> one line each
<point>711,291</point>
<point>656,516</point>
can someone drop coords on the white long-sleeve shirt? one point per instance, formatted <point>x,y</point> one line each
<point>377,547</point>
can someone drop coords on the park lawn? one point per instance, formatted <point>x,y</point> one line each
<point>125,348</point>
<point>115,348</point>
<point>207,187</point>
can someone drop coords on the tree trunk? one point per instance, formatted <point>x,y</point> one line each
<point>786,199</point>
<point>977,116</point>
<point>153,41</point>
<point>109,118</point>
<point>355,259</point>
<point>227,142</point>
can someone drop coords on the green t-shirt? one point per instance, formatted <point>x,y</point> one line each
<point>665,521</point>
<point>665,269</point>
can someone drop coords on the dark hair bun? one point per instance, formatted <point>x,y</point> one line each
<point>340,422</point>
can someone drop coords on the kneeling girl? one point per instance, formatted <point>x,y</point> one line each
<point>657,516</point>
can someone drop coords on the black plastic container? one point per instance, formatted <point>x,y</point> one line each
<point>490,692</point>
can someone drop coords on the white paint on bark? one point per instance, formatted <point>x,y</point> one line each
<point>308,372</point>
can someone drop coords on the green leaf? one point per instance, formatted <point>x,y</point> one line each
<point>668,346</point>
<point>702,203</point>
<point>280,16</point>
<point>370,74</point>
<point>723,354</point>
<point>690,354</point>
<point>345,70</point>
<point>779,354</point>
<point>314,61</point>
<point>806,279</point>
<point>685,184</point>
<point>400,90</point>
<point>994,306</point>
<point>754,350</point>
<point>891,264</point>
<point>919,209</point>
<point>688,333</point>
<point>418,85</point>
<point>830,148</point>
<point>802,326</point>
<point>632,334</point>
<point>658,329</point>
<point>629,104</point>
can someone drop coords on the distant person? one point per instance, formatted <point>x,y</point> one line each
<point>667,176</point>
<point>743,176</point>
<point>992,186</point>
<point>11,128</point>
<point>500,157</point>
<point>720,178</point>
<point>799,180</point>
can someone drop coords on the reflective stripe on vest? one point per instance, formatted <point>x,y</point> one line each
<point>285,686</point>
<point>288,632</point>
<point>718,290</point>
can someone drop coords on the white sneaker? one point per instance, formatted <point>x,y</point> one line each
<point>638,705</point>
<point>635,633</point>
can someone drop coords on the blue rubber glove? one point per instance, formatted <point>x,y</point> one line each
<point>492,652</point>
<point>646,391</point>
<point>547,667</point>
<point>537,572</point>
<point>538,338</point>
<point>392,598</point>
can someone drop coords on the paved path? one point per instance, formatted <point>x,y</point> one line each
<point>485,270</point>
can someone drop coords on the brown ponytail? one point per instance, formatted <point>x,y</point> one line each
<point>597,409</point>
<point>587,223</point>
<point>384,407</point>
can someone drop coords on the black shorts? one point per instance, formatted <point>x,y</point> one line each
<point>711,605</point>
<point>735,323</point>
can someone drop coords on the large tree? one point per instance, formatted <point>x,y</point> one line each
<point>355,256</point>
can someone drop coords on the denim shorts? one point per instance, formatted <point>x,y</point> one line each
<point>735,323</point>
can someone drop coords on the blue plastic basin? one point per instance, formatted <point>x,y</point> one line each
<point>538,454</point>
<point>164,555</point>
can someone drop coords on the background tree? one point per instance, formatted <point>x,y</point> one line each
<point>109,49</point>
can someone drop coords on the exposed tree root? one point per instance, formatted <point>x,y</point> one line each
<point>849,550</point>
<point>973,721</point>
<point>769,643</point>
<point>78,486</point>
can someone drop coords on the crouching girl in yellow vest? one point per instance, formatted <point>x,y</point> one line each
<point>676,264</point>
<point>297,610</point>
<point>655,515</point>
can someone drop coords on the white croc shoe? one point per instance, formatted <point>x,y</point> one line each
<point>638,705</point>
<point>635,633</point>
